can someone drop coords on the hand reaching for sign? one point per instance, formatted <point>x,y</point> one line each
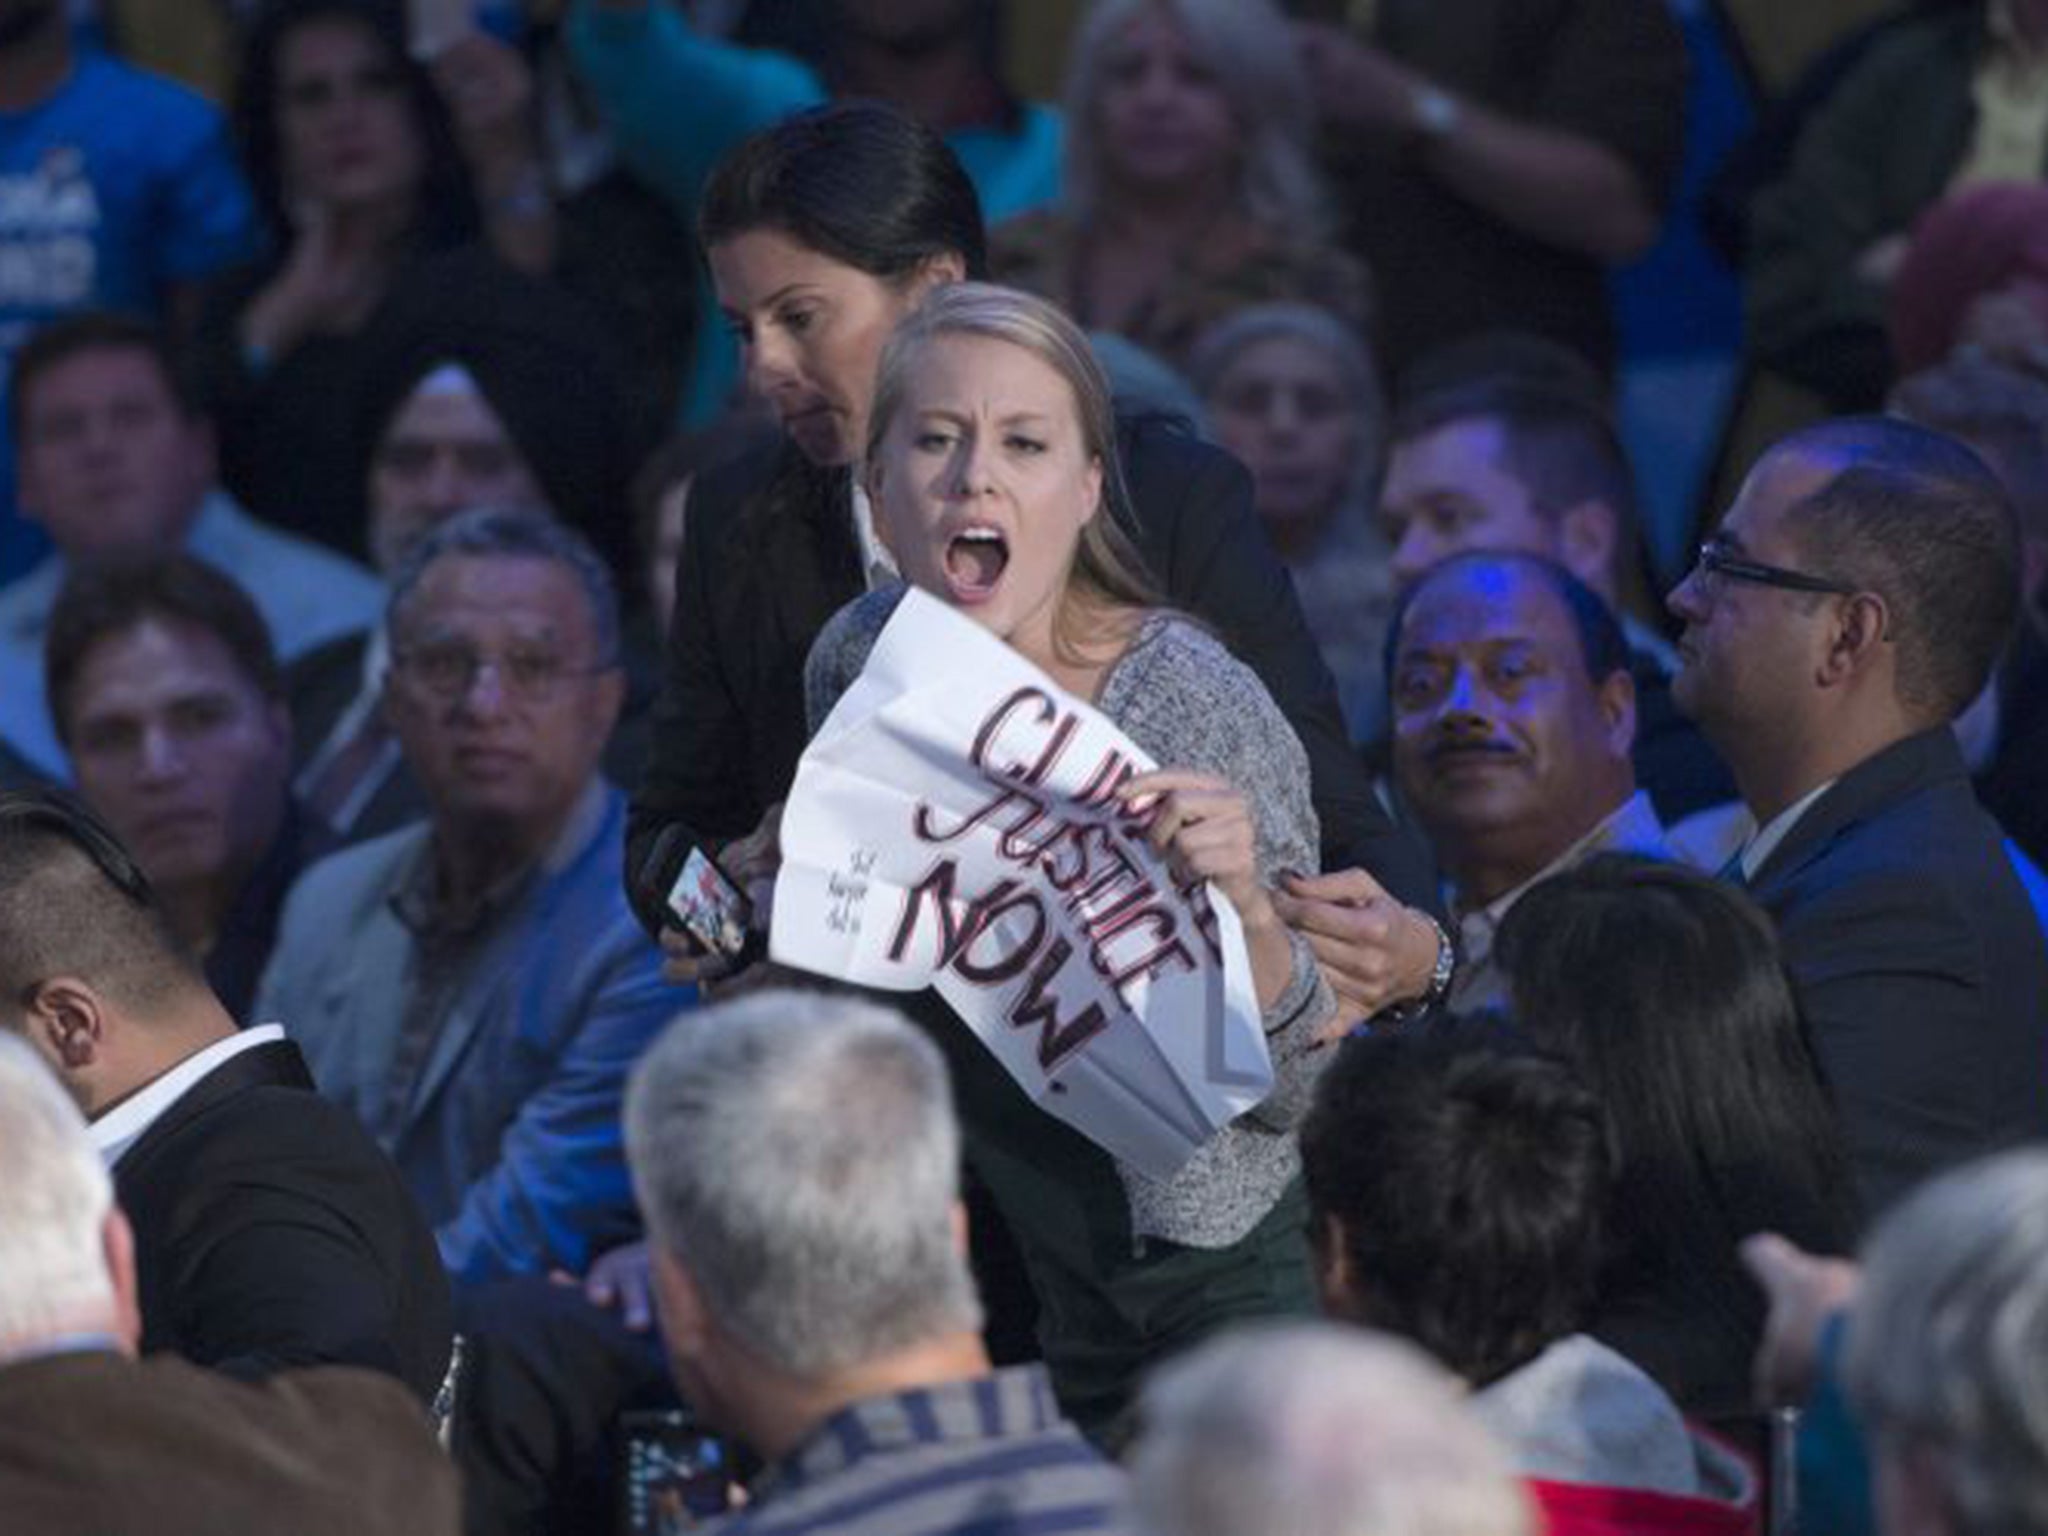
<point>1203,828</point>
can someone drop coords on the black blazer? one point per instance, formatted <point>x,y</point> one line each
<point>271,1232</point>
<point>1921,968</point>
<point>769,555</point>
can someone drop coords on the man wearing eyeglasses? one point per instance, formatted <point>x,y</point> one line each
<point>1853,600</point>
<point>474,985</point>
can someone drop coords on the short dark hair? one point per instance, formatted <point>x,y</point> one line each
<point>93,330</point>
<point>1603,643</point>
<point>1470,1181</point>
<point>513,533</point>
<point>1505,356</point>
<point>1667,991</point>
<point>1916,517</point>
<point>112,597</point>
<point>73,901</point>
<point>1563,449</point>
<point>1992,403</point>
<point>857,181</point>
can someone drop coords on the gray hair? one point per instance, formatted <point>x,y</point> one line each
<point>1218,347</point>
<point>1317,1429</point>
<point>1249,47</point>
<point>1947,1340</point>
<point>798,1152</point>
<point>513,533</point>
<point>53,1202</point>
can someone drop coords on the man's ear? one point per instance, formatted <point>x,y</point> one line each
<point>207,444</point>
<point>685,1324</point>
<point>611,699</point>
<point>277,720</point>
<point>117,1247</point>
<point>68,1022</point>
<point>1618,709</point>
<point>1856,639</point>
<point>958,1217</point>
<point>1587,536</point>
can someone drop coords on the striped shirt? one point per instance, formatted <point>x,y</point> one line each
<point>966,1458</point>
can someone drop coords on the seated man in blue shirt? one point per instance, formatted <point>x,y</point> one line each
<point>116,463</point>
<point>474,985</point>
<point>118,189</point>
<point>798,1164</point>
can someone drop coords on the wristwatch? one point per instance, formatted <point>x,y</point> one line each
<point>1446,965</point>
<point>1439,979</point>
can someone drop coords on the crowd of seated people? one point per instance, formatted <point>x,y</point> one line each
<point>478,474</point>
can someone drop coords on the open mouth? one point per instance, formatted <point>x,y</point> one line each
<point>975,561</point>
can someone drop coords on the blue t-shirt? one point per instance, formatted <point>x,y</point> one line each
<point>118,185</point>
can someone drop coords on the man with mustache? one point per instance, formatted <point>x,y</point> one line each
<point>1514,714</point>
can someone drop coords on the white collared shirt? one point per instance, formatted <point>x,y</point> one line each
<point>1776,830</point>
<point>114,1132</point>
<point>1631,827</point>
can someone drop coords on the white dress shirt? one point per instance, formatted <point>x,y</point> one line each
<point>114,1132</point>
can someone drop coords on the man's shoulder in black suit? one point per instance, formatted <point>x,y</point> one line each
<point>271,1231</point>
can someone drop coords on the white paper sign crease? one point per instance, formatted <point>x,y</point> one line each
<point>955,824</point>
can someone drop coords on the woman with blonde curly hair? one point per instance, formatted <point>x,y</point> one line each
<point>1191,189</point>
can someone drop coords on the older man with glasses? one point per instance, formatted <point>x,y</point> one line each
<point>474,986</point>
<point>1852,601</point>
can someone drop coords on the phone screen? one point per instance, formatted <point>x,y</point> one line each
<point>710,908</point>
<point>677,1476</point>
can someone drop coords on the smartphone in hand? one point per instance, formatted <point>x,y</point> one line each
<point>682,887</point>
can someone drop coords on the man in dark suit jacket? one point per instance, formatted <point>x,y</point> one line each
<point>1855,598</point>
<point>269,1229</point>
<point>92,1439</point>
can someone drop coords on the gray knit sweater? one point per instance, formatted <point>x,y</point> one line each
<point>1187,701</point>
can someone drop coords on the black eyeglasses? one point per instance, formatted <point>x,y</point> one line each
<point>448,670</point>
<point>1718,564</point>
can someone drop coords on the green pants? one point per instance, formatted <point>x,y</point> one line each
<point>1111,1304</point>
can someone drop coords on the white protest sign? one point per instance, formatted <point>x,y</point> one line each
<point>955,824</point>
